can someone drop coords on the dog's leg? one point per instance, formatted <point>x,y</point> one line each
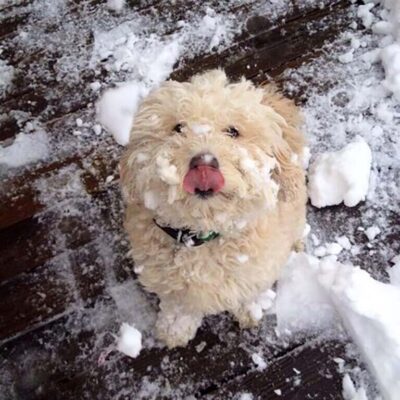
<point>175,326</point>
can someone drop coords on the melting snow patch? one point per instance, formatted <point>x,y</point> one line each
<point>26,148</point>
<point>129,341</point>
<point>341,176</point>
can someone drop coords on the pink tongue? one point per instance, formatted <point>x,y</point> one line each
<point>203,178</point>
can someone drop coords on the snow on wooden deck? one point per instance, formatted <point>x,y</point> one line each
<point>66,281</point>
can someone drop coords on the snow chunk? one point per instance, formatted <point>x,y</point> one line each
<point>307,230</point>
<point>129,341</point>
<point>301,304</point>
<point>313,293</point>
<point>255,311</point>
<point>306,156</point>
<point>333,248</point>
<point>95,86</point>
<point>245,396</point>
<point>6,76</point>
<point>259,361</point>
<point>242,258</point>
<point>167,172</point>
<point>26,148</point>
<point>341,176</point>
<point>364,12</point>
<point>350,392</point>
<point>344,242</point>
<point>320,251</point>
<point>200,129</point>
<point>116,108</point>
<point>372,232</point>
<point>263,302</point>
<point>347,57</point>
<point>150,200</point>
<point>116,5</point>
<point>390,57</point>
<point>97,129</point>
<point>394,274</point>
<point>368,309</point>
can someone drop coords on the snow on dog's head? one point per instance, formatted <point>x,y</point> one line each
<point>208,154</point>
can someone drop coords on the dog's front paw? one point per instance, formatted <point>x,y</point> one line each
<point>176,330</point>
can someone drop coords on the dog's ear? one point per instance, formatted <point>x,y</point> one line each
<point>126,183</point>
<point>290,113</point>
<point>288,172</point>
<point>214,78</point>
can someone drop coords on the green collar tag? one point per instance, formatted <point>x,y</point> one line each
<point>207,236</point>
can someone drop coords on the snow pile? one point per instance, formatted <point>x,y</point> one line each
<point>129,341</point>
<point>26,148</point>
<point>6,76</point>
<point>372,232</point>
<point>312,294</point>
<point>341,176</point>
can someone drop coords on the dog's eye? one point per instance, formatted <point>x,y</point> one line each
<point>178,128</point>
<point>232,132</point>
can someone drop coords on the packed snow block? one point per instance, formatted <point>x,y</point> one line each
<point>116,109</point>
<point>341,176</point>
<point>129,341</point>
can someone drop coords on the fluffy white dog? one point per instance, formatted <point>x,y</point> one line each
<point>215,196</point>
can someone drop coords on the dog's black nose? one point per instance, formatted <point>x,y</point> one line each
<point>204,177</point>
<point>204,159</point>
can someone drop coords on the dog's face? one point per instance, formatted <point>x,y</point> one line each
<point>207,154</point>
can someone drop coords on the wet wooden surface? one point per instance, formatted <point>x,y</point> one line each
<point>55,270</point>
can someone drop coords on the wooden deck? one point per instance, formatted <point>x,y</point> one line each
<point>62,248</point>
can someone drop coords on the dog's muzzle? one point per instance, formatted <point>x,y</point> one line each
<point>204,177</point>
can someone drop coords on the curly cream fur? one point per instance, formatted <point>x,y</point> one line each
<point>259,213</point>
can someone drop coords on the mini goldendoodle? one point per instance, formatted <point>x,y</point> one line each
<point>215,197</point>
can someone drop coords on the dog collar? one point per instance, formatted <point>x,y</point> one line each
<point>188,237</point>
